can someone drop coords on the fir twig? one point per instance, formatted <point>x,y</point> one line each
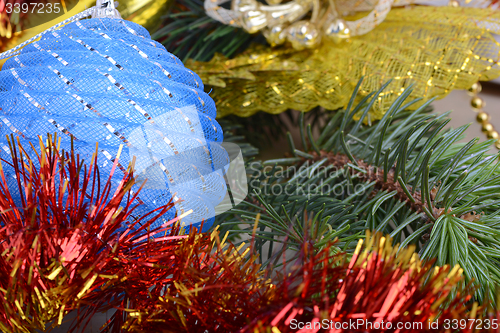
<point>189,32</point>
<point>405,176</point>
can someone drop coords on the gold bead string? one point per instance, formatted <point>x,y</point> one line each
<point>482,117</point>
<point>478,103</point>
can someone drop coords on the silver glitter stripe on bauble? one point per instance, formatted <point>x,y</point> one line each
<point>62,128</point>
<point>65,80</point>
<point>211,122</point>
<point>204,186</point>
<point>206,151</point>
<point>21,81</point>
<point>32,100</point>
<point>55,55</point>
<point>110,128</point>
<point>113,81</point>
<point>164,169</point>
<point>130,101</point>
<point>186,119</point>
<point>107,37</point>
<point>144,55</point>
<point>141,110</point>
<point>136,34</point>
<point>52,121</point>
<point>132,31</point>
<point>79,25</point>
<point>165,71</point>
<point>6,149</point>
<point>133,103</point>
<point>168,142</point>
<point>122,88</point>
<point>117,134</point>
<point>194,78</point>
<point>19,62</point>
<point>165,90</point>
<point>85,104</point>
<point>12,128</point>
<point>199,98</point>
<point>102,34</point>
<point>90,48</point>
<point>36,104</point>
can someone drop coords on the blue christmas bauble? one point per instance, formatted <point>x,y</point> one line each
<point>104,80</point>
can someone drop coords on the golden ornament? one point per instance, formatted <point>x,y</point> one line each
<point>492,135</point>
<point>437,49</point>
<point>454,3</point>
<point>477,102</point>
<point>487,128</point>
<point>475,89</point>
<point>482,117</point>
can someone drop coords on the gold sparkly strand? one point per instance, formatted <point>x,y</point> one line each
<point>478,103</point>
<point>482,117</point>
<point>437,49</point>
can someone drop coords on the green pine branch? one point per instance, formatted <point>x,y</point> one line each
<point>404,176</point>
<point>189,33</point>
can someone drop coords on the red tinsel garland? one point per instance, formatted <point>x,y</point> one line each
<point>60,244</point>
<point>224,291</point>
<point>63,248</point>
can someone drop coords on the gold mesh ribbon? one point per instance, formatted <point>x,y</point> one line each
<point>437,49</point>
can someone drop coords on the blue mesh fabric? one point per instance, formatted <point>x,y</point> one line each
<point>105,80</point>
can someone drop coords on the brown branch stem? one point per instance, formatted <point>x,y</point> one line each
<point>376,175</point>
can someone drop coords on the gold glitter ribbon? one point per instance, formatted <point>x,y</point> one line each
<point>437,49</point>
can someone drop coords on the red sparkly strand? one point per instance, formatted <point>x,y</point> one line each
<point>59,246</point>
<point>225,290</point>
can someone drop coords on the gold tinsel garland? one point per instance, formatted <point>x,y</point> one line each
<point>435,49</point>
